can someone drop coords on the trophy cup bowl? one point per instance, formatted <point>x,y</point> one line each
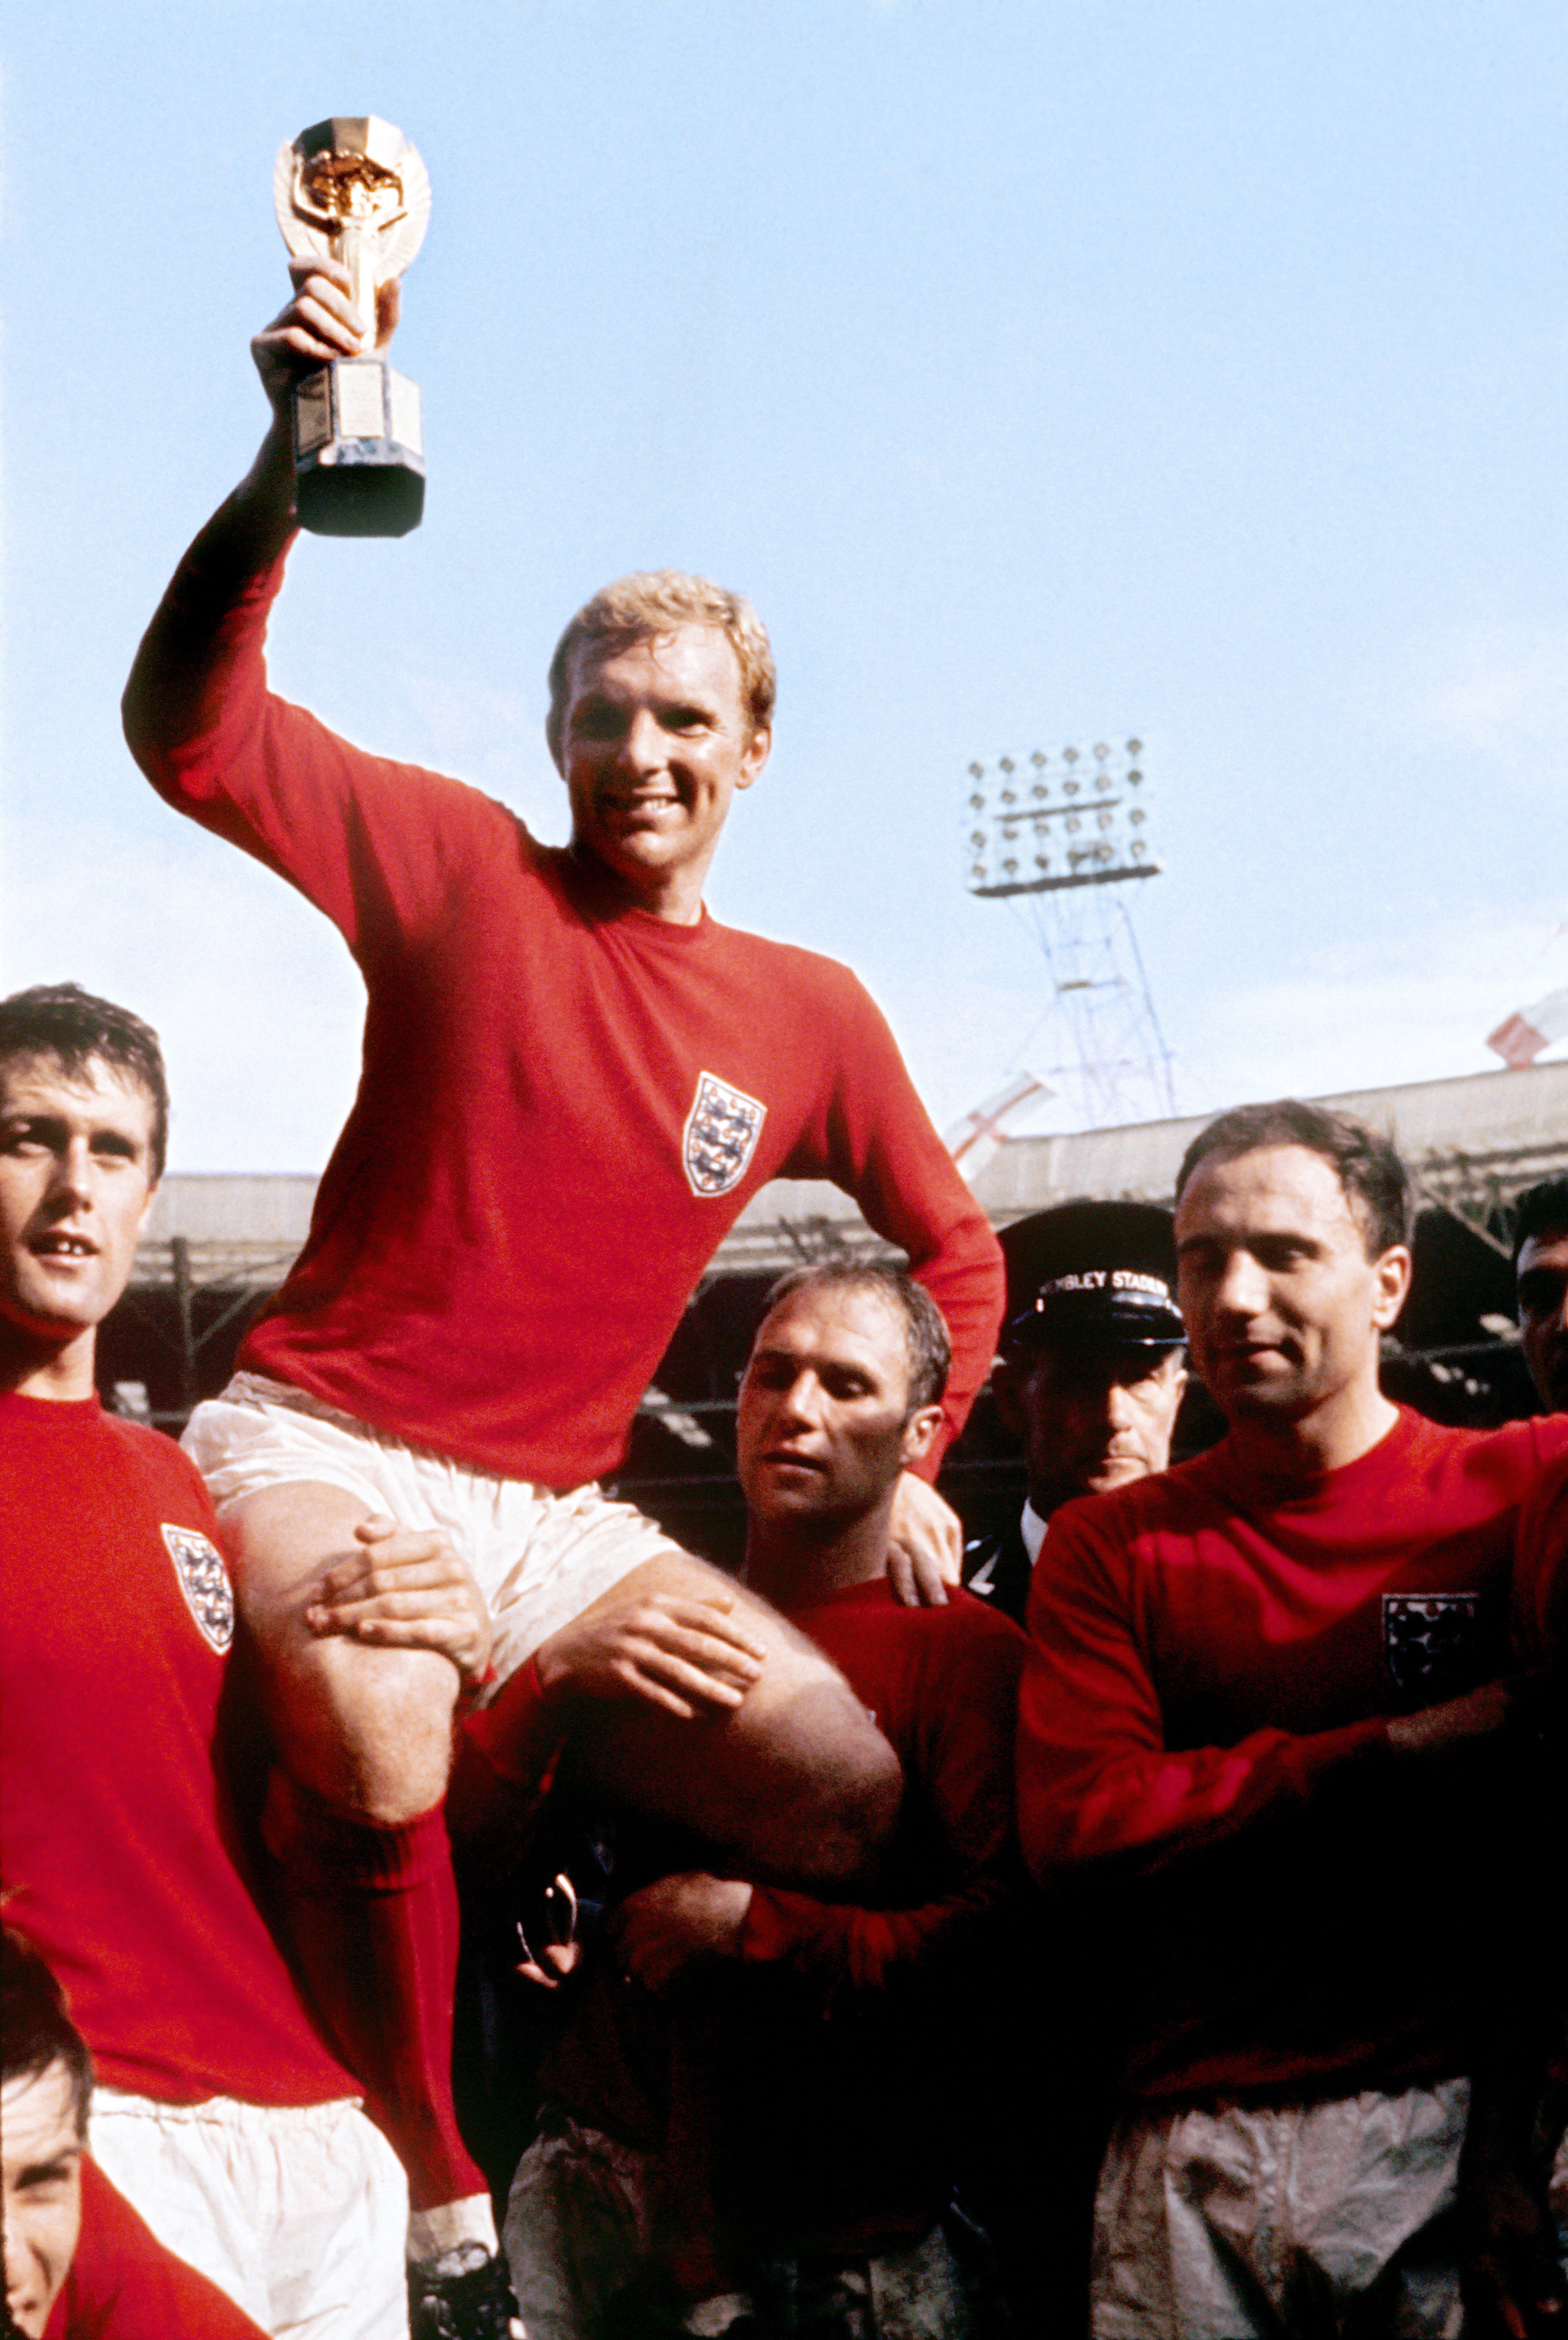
<point>353,190</point>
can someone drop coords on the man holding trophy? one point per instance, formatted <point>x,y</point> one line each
<point>573,1080</point>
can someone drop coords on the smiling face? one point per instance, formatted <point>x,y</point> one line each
<point>1284,1307</point>
<point>75,1187</point>
<point>655,739</point>
<point>823,1429</point>
<point>1090,1419</point>
<point>42,2147</point>
<point>1544,1314</point>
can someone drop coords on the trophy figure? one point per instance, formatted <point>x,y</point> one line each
<point>355,191</point>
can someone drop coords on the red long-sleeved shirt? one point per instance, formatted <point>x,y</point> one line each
<point>1541,1573</point>
<point>118,1834</point>
<point>564,1102</point>
<point>1203,1738</point>
<point>834,2124</point>
<point>942,1687</point>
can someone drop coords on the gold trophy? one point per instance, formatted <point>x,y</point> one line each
<point>353,190</point>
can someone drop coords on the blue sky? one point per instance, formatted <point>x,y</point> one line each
<point>1040,371</point>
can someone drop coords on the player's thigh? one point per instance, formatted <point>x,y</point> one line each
<point>1169,2179</point>
<point>542,1559</point>
<point>796,1783</point>
<point>341,1712</point>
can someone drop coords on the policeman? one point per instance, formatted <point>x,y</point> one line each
<point>1091,1372</point>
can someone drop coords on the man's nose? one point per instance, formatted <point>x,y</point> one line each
<point>69,1182</point>
<point>642,743</point>
<point>17,2268</point>
<point>1120,1412</point>
<point>1243,1288</point>
<point>797,1403</point>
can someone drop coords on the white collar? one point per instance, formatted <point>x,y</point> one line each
<point>1033,1530</point>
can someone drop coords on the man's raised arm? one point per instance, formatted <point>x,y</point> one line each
<point>182,686</point>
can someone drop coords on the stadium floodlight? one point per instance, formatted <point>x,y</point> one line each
<point>1061,828</point>
<point>1079,816</point>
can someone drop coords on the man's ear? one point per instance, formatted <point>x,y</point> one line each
<point>1393,1272</point>
<point>918,1431</point>
<point>755,756</point>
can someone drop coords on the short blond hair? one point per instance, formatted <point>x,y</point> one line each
<point>928,1351</point>
<point>654,602</point>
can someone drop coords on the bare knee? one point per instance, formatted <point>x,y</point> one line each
<point>369,1730</point>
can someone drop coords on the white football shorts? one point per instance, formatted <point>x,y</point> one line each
<point>1236,2221</point>
<point>538,1558</point>
<point>298,2212</point>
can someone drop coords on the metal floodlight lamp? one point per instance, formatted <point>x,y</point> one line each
<point>1033,829</point>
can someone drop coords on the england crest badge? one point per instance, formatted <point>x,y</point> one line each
<point>204,1582</point>
<point>720,1136</point>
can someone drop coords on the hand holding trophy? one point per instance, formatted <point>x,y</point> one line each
<point>354,190</point>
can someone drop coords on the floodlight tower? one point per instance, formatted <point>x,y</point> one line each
<point>1063,836</point>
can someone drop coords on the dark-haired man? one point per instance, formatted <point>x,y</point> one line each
<point>1514,2207</point>
<point>79,2262</point>
<point>220,2112</point>
<point>1263,1737</point>
<point>573,1081</point>
<point>761,2093</point>
<point>1540,1265</point>
<point>1091,1372</point>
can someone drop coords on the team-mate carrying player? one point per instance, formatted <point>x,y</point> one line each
<point>1541,1267</point>
<point>758,2105</point>
<point>1512,2211</point>
<point>220,2113</point>
<point>574,1079</point>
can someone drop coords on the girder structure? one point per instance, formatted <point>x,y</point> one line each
<point>1116,1066</point>
<point>1480,1189</point>
<point>1061,835</point>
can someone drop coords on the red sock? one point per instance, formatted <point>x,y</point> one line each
<point>372,1918</point>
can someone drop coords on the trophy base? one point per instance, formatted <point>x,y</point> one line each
<point>368,488</point>
<point>358,451</point>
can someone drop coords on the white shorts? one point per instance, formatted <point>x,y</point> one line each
<point>1239,2221</point>
<point>298,2212</point>
<point>538,1558</point>
<point>578,2230</point>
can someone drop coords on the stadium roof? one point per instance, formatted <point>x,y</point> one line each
<point>217,1244</point>
<point>1473,1143</point>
